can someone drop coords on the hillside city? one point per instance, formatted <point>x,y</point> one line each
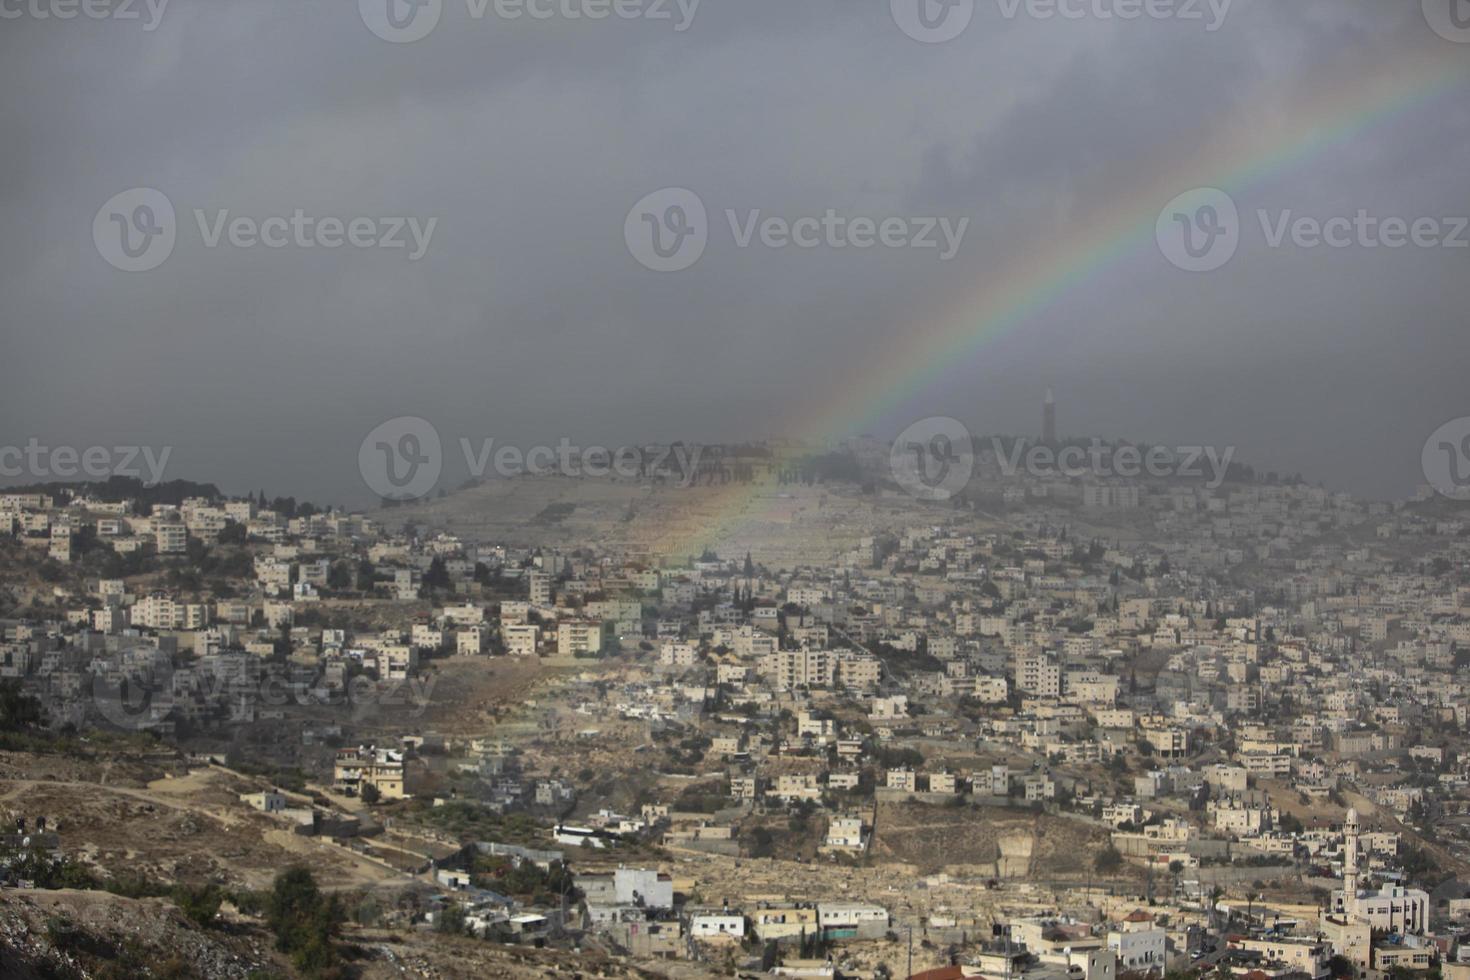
<point>1053,727</point>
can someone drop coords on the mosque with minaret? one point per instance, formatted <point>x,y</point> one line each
<point>1391,909</point>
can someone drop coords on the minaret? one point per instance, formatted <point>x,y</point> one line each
<point>1350,859</point>
<point>1049,420</point>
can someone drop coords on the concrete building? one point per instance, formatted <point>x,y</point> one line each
<point>369,766</point>
<point>1392,909</point>
<point>1140,945</point>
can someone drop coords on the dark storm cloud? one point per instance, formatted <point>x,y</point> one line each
<point>528,319</point>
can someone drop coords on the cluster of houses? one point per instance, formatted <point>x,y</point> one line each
<point>1204,672</point>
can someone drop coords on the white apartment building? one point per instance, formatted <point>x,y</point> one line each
<point>426,637</point>
<point>841,920</point>
<point>472,641</point>
<point>796,787</point>
<point>539,584</point>
<point>677,654</point>
<point>1144,950</point>
<point>858,671</point>
<point>579,637</point>
<point>521,639</point>
<point>170,535</point>
<point>369,766</point>
<point>1393,908</point>
<point>788,669</point>
<point>713,925</point>
<point>1037,675</point>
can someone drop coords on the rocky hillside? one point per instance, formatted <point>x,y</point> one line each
<point>83,934</point>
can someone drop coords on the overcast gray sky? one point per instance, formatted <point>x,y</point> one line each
<point>528,318</point>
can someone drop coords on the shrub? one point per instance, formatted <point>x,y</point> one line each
<point>1108,860</point>
<point>304,921</point>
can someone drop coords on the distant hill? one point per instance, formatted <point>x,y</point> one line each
<point>116,488</point>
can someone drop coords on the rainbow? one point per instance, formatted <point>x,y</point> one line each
<point>1238,155</point>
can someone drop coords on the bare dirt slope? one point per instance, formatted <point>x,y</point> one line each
<point>189,828</point>
<point>85,935</point>
<point>988,841</point>
<point>94,934</point>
